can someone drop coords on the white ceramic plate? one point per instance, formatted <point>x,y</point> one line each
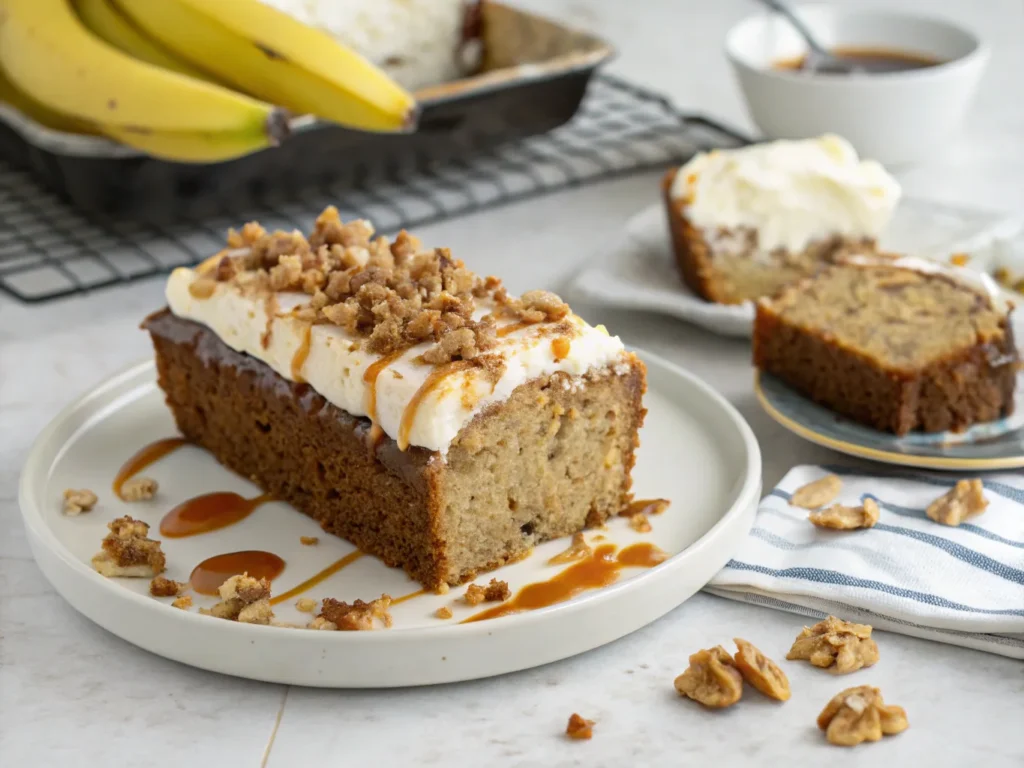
<point>696,451</point>
<point>640,271</point>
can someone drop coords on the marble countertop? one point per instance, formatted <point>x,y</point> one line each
<point>72,694</point>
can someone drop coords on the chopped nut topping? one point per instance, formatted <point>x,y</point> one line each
<point>760,671</point>
<point>860,714</point>
<point>495,592</point>
<point>309,541</point>
<point>358,615</point>
<point>578,550</point>
<point>162,587</point>
<point>182,603</point>
<point>321,623</point>
<point>243,599</point>
<point>139,489</point>
<point>837,645</point>
<point>711,679</point>
<point>306,604</point>
<point>963,501</point>
<point>846,518</point>
<point>444,612</point>
<point>579,727</point>
<point>128,552</point>
<point>78,501</point>
<point>639,523</point>
<point>442,588</point>
<point>817,494</point>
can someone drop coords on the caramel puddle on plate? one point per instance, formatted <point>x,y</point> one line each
<point>315,579</point>
<point>142,458</point>
<point>209,512</point>
<point>207,577</point>
<point>598,570</point>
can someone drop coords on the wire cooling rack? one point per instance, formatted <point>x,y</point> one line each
<point>49,250</point>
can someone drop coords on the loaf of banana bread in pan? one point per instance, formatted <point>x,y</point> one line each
<point>900,345</point>
<point>401,401</point>
<point>746,222</point>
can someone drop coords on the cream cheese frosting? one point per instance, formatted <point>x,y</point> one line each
<point>334,362</point>
<point>791,192</point>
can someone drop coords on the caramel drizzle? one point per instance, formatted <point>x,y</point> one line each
<point>434,378</point>
<point>410,596</point>
<point>299,358</point>
<point>370,377</point>
<point>316,578</point>
<point>646,507</point>
<point>270,309</point>
<point>598,570</point>
<point>142,458</point>
<point>505,330</point>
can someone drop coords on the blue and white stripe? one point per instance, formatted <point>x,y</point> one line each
<point>908,574</point>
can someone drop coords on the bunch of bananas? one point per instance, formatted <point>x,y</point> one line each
<point>185,80</point>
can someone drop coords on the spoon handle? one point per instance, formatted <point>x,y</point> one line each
<point>798,25</point>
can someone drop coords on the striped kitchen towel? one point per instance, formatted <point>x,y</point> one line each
<point>907,574</point>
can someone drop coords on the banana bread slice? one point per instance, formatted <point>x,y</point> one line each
<point>404,403</point>
<point>899,345</point>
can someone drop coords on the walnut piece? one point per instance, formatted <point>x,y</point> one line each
<point>843,518</point>
<point>163,587</point>
<point>139,489</point>
<point>444,612</point>
<point>711,679</point>
<point>78,501</point>
<point>128,552</point>
<point>836,645</point>
<point>579,727</point>
<point>578,550</point>
<point>309,541</point>
<point>243,599</point>
<point>306,604</point>
<point>818,493</point>
<point>359,616</point>
<point>495,592</point>
<point>182,603</point>
<point>760,671</point>
<point>639,523</point>
<point>963,501</point>
<point>860,714</point>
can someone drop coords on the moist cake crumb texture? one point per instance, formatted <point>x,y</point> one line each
<point>895,345</point>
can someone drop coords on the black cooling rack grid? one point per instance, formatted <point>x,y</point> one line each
<point>49,250</point>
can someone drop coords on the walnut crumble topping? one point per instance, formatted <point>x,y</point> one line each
<point>760,671</point>
<point>578,550</point>
<point>128,552</point>
<point>843,518</point>
<point>964,500</point>
<point>836,645</point>
<point>712,679</point>
<point>359,616</point>
<point>139,489</point>
<point>444,612</point>
<point>818,493</point>
<point>305,604</point>
<point>243,599</point>
<point>309,541</point>
<point>395,294</point>
<point>182,603</point>
<point>162,587</point>
<point>579,727</point>
<point>495,592</point>
<point>78,501</point>
<point>860,714</point>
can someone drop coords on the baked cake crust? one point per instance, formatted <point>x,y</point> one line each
<point>971,381</point>
<point>400,504</point>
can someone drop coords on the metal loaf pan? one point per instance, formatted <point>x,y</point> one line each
<point>532,75</point>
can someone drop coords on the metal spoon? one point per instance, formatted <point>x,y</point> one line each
<point>818,59</point>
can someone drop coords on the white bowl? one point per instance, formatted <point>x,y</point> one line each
<point>895,117</point>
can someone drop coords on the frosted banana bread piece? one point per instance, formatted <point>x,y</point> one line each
<point>899,346</point>
<point>747,222</point>
<point>400,400</point>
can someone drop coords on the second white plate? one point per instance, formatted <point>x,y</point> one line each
<point>696,451</point>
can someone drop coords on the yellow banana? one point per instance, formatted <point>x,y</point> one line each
<point>48,54</point>
<point>189,147</point>
<point>272,56</point>
<point>41,114</point>
<point>108,24</point>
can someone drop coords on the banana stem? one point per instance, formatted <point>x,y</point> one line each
<point>278,125</point>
